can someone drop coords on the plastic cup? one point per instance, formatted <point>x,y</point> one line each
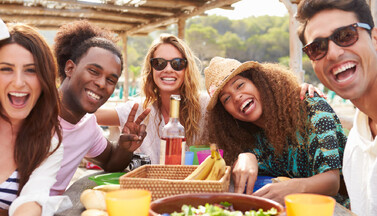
<point>189,158</point>
<point>202,155</point>
<point>309,205</point>
<point>128,202</point>
<point>195,149</point>
<point>262,181</point>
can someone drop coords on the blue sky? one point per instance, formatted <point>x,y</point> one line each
<point>247,8</point>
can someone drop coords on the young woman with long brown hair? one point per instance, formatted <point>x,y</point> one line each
<point>29,128</point>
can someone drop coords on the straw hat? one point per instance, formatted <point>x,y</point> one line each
<point>219,72</point>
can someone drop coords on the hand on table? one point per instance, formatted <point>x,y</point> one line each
<point>133,132</point>
<point>277,191</point>
<point>245,170</point>
<point>309,88</point>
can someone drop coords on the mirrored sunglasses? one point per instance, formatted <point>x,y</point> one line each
<point>344,36</point>
<point>177,64</point>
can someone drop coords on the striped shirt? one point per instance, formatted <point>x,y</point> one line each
<point>8,190</point>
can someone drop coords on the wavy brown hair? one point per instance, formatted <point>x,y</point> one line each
<point>283,111</point>
<point>33,140</point>
<point>190,111</point>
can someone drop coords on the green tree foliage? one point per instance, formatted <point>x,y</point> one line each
<point>263,39</point>
<point>204,40</point>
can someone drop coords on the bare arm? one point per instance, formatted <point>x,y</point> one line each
<point>117,157</point>
<point>108,117</point>
<point>326,183</point>
<point>28,209</point>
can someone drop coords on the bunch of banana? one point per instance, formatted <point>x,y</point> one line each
<point>219,167</point>
<point>212,168</point>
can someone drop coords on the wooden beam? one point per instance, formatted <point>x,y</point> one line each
<point>183,15</point>
<point>176,3</point>
<point>181,28</point>
<point>77,13</point>
<point>141,10</point>
<point>40,21</point>
<point>125,67</point>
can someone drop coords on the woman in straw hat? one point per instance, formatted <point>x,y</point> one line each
<point>257,117</point>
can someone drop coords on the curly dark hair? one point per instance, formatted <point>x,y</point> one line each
<point>74,39</point>
<point>283,111</point>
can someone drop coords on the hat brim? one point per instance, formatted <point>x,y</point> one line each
<point>243,67</point>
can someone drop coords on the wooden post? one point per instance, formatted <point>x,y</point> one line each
<point>373,8</point>
<point>125,67</point>
<point>181,28</point>
<point>295,46</point>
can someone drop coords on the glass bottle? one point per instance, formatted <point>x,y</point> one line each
<point>173,141</point>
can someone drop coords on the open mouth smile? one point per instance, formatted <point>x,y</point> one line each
<point>18,99</point>
<point>169,79</point>
<point>344,72</point>
<point>246,105</point>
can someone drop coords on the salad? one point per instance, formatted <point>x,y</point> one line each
<point>222,209</point>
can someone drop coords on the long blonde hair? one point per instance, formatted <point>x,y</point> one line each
<point>190,110</point>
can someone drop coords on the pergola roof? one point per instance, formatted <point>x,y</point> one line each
<point>131,17</point>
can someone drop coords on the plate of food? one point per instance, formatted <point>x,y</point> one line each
<point>227,203</point>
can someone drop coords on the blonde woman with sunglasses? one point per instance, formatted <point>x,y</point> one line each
<point>169,68</point>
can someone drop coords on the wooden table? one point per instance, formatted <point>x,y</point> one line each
<point>84,183</point>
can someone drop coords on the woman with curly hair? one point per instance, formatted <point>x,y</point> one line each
<point>169,68</point>
<point>31,150</point>
<point>90,64</point>
<point>257,117</point>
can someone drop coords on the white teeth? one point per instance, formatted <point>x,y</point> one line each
<point>93,95</point>
<point>17,94</point>
<point>169,79</point>
<point>244,104</point>
<point>343,68</point>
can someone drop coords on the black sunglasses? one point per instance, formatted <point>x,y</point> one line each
<point>177,64</point>
<point>344,36</point>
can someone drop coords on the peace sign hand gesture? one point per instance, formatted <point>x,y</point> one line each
<point>133,132</point>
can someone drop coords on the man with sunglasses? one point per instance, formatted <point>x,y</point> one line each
<point>340,39</point>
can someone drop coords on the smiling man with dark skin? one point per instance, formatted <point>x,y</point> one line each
<point>340,39</point>
<point>90,65</point>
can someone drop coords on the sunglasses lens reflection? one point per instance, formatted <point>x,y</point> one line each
<point>346,36</point>
<point>178,64</point>
<point>158,63</point>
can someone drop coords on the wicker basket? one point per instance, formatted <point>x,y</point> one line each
<point>168,180</point>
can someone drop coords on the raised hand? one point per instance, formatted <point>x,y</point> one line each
<point>133,132</point>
